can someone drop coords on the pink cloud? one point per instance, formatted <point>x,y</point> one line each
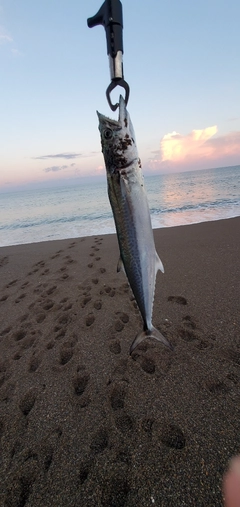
<point>200,149</point>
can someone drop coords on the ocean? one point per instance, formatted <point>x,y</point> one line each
<point>29,216</point>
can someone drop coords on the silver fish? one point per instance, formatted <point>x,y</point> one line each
<point>128,199</point>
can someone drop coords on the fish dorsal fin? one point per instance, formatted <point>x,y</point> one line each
<point>159,264</point>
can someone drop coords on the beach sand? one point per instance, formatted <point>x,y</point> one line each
<point>84,424</point>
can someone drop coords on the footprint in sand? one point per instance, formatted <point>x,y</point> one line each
<point>27,402</point>
<point>5,331</point>
<point>50,345</point>
<point>34,364</point>
<point>117,396</point>
<point>66,351</point>
<point>45,272</point>
<point>47,447</point>
<point>72,244</point>
<point>90,320</point>
<point>178,299</point>
<point>173,437</point>
<point>118,326</point>
<point>80,383</point>
<point>4,298</point>
<point>60,332</point>
<point>98,305</point>
<point>48,305</point>
<point>99,441</point>
<point>11,284</point>
<point>67,307</point>
<point>69,259</point>
<point>3,261</point>
<point>24,317</point>
<point>24,285</point>
<point>215,386</point>
<point>51,290</point>
<point>19,335</point>
<point>40,317</point>
<point>115,347</point>
<point>27,343</point>
<point>188,330</point>
<point>19,299</point>
<point>55,256</point>
<point>124,422</point>
<point>64,319</point>
<point>86,289</point>
<point>40,264</point>
<point>16,357</point>
<point>85,301</point>
<point>64,300</point>
<point>84,470</point>
<point>123,319</point>
<point>148,365</point>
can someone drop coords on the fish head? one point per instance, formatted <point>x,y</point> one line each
<point>118,139</point>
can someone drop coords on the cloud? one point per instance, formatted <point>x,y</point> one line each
<point>4,37</point>
<point>67,156</point>
<point>16,52</point>
<point>55,168</point>
<point>199,149</point>
<point>177,148</point>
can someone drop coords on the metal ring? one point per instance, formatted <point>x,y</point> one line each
<point>113,84</point>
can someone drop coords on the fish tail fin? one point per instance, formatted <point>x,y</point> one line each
<point>159,264</point>
<point>150,333</point>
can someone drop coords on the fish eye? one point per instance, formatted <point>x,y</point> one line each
<point>108,133</point>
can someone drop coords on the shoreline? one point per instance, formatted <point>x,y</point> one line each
<point>82,422</point>
<point>73,238</point>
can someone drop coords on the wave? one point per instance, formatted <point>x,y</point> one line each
<point>25,224</point>
<point>214,205</point>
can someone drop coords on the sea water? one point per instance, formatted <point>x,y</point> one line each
<point>45,214</point>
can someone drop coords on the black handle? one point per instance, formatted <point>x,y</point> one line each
<point>110,16</point>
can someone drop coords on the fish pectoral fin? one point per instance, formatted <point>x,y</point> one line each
<point>159,264</point>
<point>153,333</point>
<point>120,266</point>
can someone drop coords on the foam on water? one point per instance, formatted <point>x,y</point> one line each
<point>84,210</point>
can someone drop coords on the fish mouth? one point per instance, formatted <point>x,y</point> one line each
<point>123,119</point>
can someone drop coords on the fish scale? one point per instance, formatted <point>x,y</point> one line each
<point>130,208</point>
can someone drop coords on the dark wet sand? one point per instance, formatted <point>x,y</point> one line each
<point>84,424</point>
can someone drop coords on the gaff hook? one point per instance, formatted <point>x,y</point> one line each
<point>113,84</point>
<point>110,16</point>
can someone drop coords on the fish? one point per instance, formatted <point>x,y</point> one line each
<point>127,195</point>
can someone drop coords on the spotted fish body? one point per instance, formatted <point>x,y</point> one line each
<point>128,199</point>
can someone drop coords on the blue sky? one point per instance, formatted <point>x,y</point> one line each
<point>181,60</point>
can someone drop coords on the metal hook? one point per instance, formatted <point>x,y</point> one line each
<point>113,84</point>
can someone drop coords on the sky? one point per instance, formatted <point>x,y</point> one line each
<point>181,61</point>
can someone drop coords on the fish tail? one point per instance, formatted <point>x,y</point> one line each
<point>150,333</point>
